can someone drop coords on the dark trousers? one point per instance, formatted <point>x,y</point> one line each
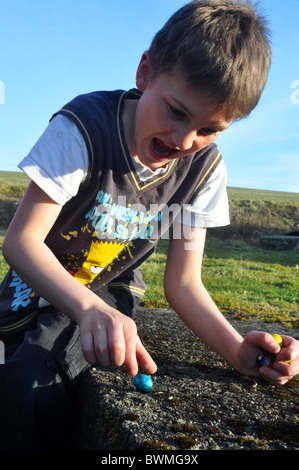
<point>40,378</point>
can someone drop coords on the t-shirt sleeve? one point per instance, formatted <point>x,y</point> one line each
<point>58,162</point>
<point>210,207</point>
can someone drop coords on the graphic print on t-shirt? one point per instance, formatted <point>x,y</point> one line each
<point>99,256</point>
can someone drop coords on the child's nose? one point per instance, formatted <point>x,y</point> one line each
<point>184,140</point>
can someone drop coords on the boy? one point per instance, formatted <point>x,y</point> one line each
<point>109,175</point>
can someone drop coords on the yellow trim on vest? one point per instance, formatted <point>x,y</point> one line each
<point>84,128</point>
<point>121,142</point>
<point>160,177</point>
<point>205,175</point>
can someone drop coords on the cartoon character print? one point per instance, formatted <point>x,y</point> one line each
<point>99,256</point>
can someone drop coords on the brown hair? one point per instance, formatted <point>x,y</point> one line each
<point>219,45</point>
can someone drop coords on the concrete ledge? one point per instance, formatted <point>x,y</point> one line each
<point>198,402</point>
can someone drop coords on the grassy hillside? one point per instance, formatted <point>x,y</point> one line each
<point>14,178</point>
<point>18,178</point>
<point>12,185</point>
<point>252,218</point>
<point>238,194</point>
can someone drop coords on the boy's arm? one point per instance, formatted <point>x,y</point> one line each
<point>107,336</point>
<point>189,298</point>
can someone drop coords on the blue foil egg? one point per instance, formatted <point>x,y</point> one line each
<point>262,360</point>
<point>143,382</point>
<point>266,359</point>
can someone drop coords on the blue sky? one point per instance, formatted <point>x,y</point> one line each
<point>53,50</point>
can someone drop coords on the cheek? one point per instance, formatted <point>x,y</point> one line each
<point>203,142</point>
<point>143,118</point>
<point>209,139</point>
<point>200,144</point>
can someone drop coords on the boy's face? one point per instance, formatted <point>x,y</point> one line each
<point>172,119</point>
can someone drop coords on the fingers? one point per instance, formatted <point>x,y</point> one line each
<point>144,359</point>
<point>290,346</point>
<point>95,347</point>
<point>280,364</point>
<point>116,345</point>
<point>263,340</point>
<point>115,342</point>
<point>137,356</point>
<point>273,376</point>
<point>279,372</point>
<point>130,358</point>
<point>286,363</point>
<point>270,344</point>
<point>88,348</point>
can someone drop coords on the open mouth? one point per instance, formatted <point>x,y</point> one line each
<point>162,150</point>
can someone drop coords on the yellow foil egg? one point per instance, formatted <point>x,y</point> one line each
<point>278,338</point>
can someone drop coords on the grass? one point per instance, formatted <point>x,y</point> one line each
<point>14,178</point>
<point>249,281</point>
<point>12,184</point>
<point>260,195</point>
<point>18,178</point>
<point>244,279</point>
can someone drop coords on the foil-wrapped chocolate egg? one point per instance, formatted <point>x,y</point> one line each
<point>266,359</point>
<point>143,382</point>
<point>263,360</point>
<point>278,338</point>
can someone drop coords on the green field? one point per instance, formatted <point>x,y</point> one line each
<point>14,178</point>
<point>18,178</point>
<point>244,279</point>
<point>261,195</point>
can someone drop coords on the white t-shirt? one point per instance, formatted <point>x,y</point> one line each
<point>58,164</point>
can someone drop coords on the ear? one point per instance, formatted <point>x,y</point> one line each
<point>143,72</point>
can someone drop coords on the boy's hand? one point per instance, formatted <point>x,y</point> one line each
<point>286,360</point>
<point>110,338</point>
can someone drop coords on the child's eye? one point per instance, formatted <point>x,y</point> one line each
<point>207,131</point>
<point>177,113</point>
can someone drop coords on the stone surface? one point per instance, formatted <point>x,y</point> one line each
<point>198,402</point>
